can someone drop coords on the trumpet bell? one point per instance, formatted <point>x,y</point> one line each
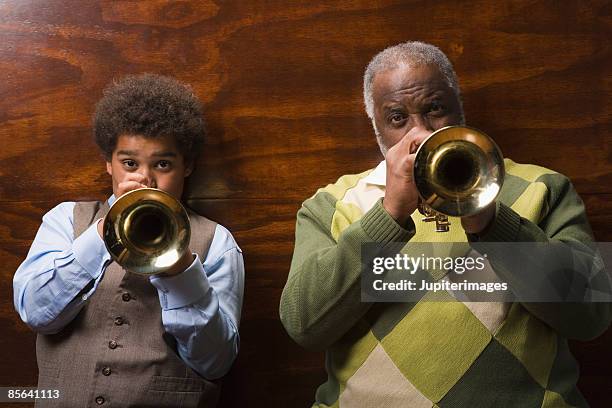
<point>458,171</point>
<point>146,231</point>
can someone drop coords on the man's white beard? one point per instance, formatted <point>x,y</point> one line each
<point>381,145</point>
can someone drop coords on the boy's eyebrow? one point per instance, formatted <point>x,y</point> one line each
<point>164,154</point>
<point>126,153</point>
<point>156,154</point>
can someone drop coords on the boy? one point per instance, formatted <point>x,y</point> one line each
<point>114,338</point>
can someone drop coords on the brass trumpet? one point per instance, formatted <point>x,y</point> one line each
<point>458,171</point>
<point>147,231</point>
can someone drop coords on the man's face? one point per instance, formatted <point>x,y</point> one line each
<point>158,159</point>
<point>412,96</point>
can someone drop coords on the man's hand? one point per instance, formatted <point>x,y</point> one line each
<point>478,223</point>
<point>401,195</point>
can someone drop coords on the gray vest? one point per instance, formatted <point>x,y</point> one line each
<point>115,353</point>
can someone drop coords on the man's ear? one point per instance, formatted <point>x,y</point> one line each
<point>109,168</point>
<point>189,166</point>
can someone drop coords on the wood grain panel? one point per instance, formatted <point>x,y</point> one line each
<point>281,85</point>
<point>599,211</point>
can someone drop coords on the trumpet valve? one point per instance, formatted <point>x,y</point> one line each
<point>442,223</point>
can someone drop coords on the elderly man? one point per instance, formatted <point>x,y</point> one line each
<point>424,354</point>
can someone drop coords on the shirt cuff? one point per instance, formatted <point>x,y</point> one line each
<point>90,252</point>
<point>505,227</point>
<point>182,289</point>
<point>381,227</point>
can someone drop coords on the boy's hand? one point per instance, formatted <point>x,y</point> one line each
<point>183,263</point>
<point>101,228</point>
<point>132,181</point>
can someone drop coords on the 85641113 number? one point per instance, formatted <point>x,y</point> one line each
<point>23,394</point>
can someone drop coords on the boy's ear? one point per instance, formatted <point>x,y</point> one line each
<point>109,168</point>
<point>189,168</point>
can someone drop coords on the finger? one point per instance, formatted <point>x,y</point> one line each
<point>141,178</point>
<point>416,137</point>
<point>410,142</point>
<point>410,159</point>
<point>419,139</point>
<point>409,166</point>
<point>126,186</point>
<point>137,177</point>
<point>401,148</point>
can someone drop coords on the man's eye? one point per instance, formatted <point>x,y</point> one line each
<point>396,118</point>
<point>436,107</point>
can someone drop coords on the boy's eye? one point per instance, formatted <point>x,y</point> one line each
<point>129,164</point>
<point>163,164</point>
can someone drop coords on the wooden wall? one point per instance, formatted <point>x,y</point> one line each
<point>281,83</point>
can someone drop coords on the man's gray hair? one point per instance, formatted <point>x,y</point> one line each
<point>406,54</point>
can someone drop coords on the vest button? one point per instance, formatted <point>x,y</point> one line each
<point>126,297</point>
<point>99,400</point>
<point>112,344</point>
<point>106,371</point>
<point>118,321</point>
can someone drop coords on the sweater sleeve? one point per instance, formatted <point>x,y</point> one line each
<point>564,224</point>
<point>321,300</point>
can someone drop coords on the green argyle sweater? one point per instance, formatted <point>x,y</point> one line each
<point>436,354</point>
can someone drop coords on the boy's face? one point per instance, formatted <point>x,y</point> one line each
<point>151,162</point>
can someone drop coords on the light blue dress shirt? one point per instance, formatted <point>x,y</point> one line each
<point>200,306</point>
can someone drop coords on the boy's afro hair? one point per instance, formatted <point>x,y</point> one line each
<point>149,105</point>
